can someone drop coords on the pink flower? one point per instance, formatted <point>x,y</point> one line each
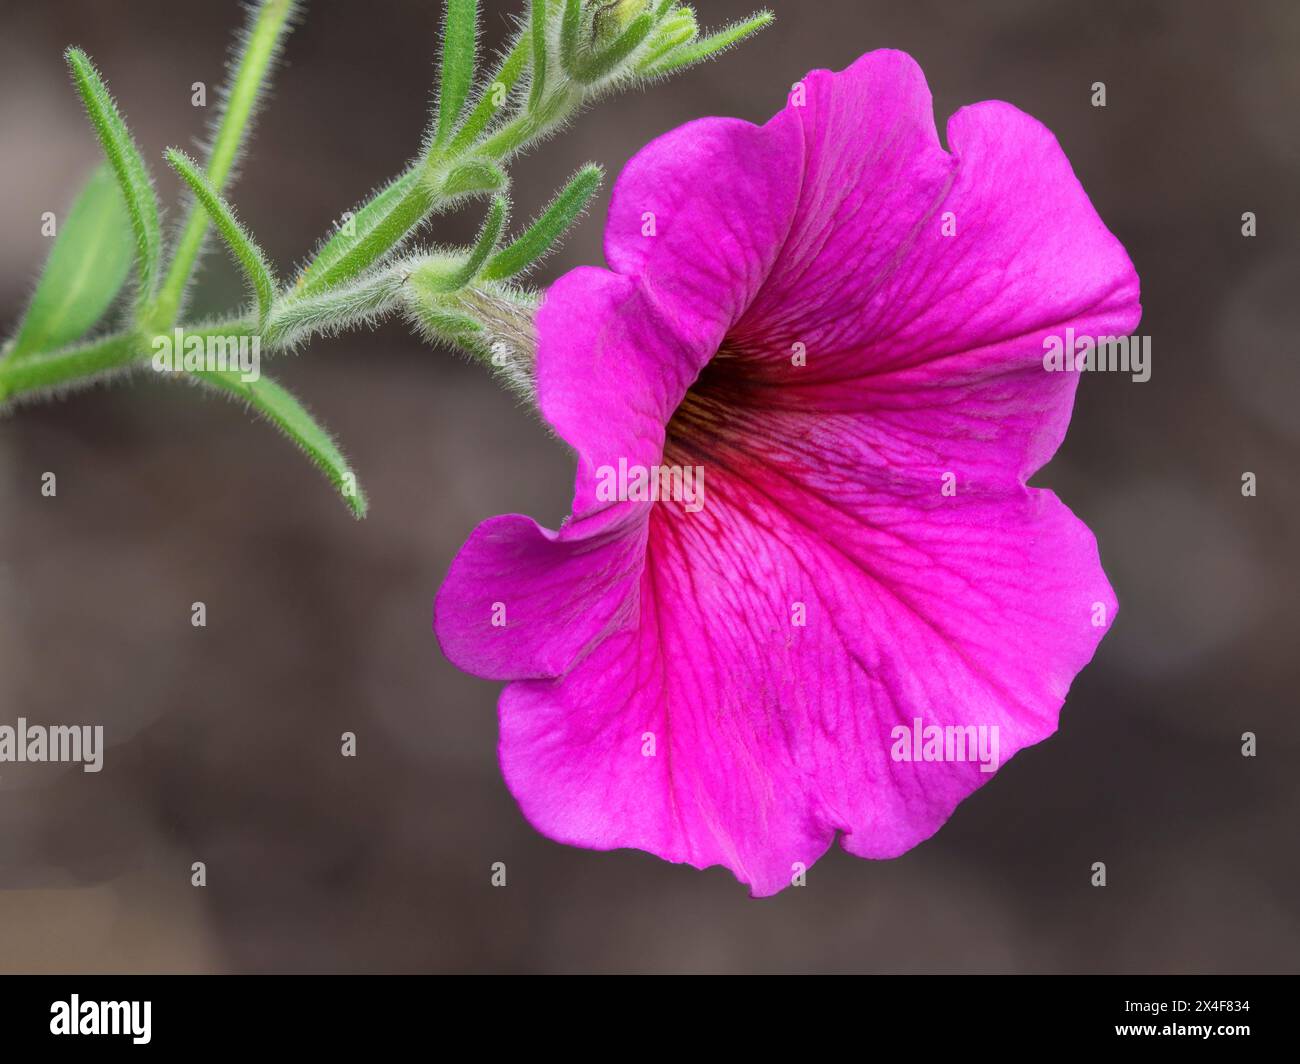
<point>843,325</point>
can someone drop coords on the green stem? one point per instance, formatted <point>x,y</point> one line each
<point>524,129</point>
<point>83,363</point>
<point>260,50</point>
<point>41,372</point>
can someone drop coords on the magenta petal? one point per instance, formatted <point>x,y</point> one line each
<point>770,737</point>
<point>721,195</point>
<point>938,338</point>
<point>610,373</point>
<point>523,601</point>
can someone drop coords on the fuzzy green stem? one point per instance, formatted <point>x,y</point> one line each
<point>263,44</point>
<point>80,364</point>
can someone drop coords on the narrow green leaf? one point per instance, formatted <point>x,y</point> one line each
<point>86,269</point>
<point>538,26</point>
<point>403,211</point>
<point>593,68</point>
<point>542,236</point>
<point>132,175</point>
<point>495,95</point>
<point>438,279</point>
<point>246,252</point>
<point>459,45</point>
<point>279,406</point>
<point>677,29</point>
<point>570,32</point>
<point>706,47</point>
<point>357,224</point>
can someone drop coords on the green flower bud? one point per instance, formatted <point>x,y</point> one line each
<point>612,17</point>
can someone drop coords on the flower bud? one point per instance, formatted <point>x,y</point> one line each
<point>612,17</point>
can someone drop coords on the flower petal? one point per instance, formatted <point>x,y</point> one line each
<point>718,196</point>
<point>771,736</point>
<point>609,372</point>
<point>523,601</point>
<point>910,275</point>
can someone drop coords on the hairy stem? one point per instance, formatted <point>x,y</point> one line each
<point>83,363</point>
<point>265,36</point>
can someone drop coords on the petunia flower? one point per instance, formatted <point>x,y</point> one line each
<point>843,325</point>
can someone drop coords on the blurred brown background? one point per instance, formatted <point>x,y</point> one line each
<point>225,740</point>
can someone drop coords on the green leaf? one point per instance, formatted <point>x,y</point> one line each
<point>570,32</point>
<point>403,209</point>
<point>540,237</point>
<point>132,175</point>
<point>506,76</point>
<point>279,406</point>
<point>538,25</point>
<point>358,224</point>
<point>247,254</point>
<point>86,269</point>
<point>593,68</point>
<point>678,28</point>
<point>707,47</point>
<point>459,46</point>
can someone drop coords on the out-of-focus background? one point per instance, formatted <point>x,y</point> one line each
<point>225,741</point>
